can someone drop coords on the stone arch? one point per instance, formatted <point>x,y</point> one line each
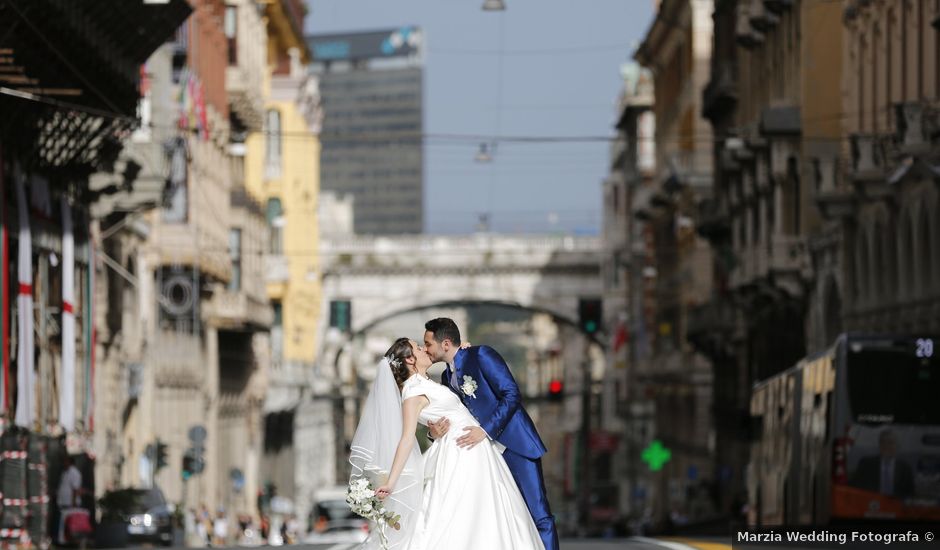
<point>934,219</point>
<point>891,256</point>
<point>559,317</point>
<point>832,310</point>
<point>905,240</point>
<point>862,265</point>
<point>924,248</point>
<point>878,263</point>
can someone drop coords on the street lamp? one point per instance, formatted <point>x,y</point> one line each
<point>484,155</point>
<point>494,5</point>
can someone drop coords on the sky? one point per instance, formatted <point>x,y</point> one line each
<point>540,68</point>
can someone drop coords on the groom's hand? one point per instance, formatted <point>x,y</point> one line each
<point>439,429</point>
<point>473,435</point>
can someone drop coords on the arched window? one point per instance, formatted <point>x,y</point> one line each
<point>924,256</point>
<point>862,267</point>
<point>891,257</point>
<point>832,314</point>
<point>878,263</point>
<point>906,278</point>
<point>272,151</point>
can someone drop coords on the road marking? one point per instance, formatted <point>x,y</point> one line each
<point>343,546</point>
<point>701,545</point>
<point>670,544</point>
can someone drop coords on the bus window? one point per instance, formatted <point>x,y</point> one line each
<point>889,383</point>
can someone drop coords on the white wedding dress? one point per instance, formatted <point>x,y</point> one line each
<point>471,501</point>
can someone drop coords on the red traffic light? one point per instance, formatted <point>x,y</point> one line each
<point>555,387</point>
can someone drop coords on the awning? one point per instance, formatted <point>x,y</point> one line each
<point>69,74</point>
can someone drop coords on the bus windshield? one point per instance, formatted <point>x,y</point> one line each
<point>894,381</point>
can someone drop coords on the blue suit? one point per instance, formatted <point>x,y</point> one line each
<point>498,408</point>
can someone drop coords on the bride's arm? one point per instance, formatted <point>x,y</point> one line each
<point>410,410</point>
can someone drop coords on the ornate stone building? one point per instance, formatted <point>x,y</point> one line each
<point>774,104</point>
<point>185,298</point>
<point>677,278</point>
<point>880,269</point>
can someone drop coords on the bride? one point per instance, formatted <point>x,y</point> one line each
<point>455,498</point>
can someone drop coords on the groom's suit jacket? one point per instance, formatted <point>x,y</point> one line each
<point>498,403</point>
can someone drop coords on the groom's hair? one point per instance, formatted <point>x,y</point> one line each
<point>443,329</point>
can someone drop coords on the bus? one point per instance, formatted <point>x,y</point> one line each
<point>847,435</point>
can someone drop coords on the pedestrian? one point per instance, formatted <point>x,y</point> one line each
<point>68,494</point>
<point>220,529</point>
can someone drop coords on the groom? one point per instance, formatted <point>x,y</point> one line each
<point>482,380</point>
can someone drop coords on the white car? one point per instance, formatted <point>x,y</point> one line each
<point>352,530</point>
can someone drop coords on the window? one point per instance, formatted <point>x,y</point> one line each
<point>231,33</point>
<point>235,255</point>
<point>277,333</point>
<point>275,215</point>
<point>175,205</point>
<point>272,153</point>
<point>340,315</point>
<point>888,380</point>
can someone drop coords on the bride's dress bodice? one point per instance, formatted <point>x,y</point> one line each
<point>442,402</point>
<point>473,484</point>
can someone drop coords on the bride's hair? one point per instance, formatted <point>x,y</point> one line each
<point>396,356</point>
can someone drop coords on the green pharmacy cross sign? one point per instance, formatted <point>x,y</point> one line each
<point>656,455</point>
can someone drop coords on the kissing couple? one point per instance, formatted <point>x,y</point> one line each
<point>479,486</point>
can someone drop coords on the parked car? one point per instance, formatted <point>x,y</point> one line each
<point>144,513</point>
<point>338,531</point>
<point>329,506</point>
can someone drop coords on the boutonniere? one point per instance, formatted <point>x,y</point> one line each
<point>469,386</point>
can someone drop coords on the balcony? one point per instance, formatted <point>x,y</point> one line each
<point>782,262</point>
<point>915,125</point>
<point>710,327</point>
<point>238,309</point>
<point>244,77</point>
<point>721,94</point>
<point>276,269</point>
<point>869,165</point>
<point>833,198</point>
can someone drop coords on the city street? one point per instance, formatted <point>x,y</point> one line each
<point>632,543</point>
<point>288,270</point>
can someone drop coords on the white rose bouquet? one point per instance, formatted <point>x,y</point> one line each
<point>360,496</point>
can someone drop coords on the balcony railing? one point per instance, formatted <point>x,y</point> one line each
<point>276,269</point>
<point>238,308</point>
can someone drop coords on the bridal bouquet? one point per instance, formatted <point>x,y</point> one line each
<point>360,495</point>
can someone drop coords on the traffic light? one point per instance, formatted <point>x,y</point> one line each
<point>340,315</point>
<point>589,315</point>
<point>556,390</point>
<point>187,466</point>
<point>193,462</point>
<point>161,455</point>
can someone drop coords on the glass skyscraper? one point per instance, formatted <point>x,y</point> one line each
<point>371,91</point>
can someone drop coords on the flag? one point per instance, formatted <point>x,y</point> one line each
<point>620,336</point>
<point>25,375</point>
<point>5,295</point>
<point>67,380</point>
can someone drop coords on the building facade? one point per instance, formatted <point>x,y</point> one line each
<point>282,174</point>
<point>881,273</point>
<point>775,106</point>
<point>185,306</point>
<point>372,91</point>
<point>677,49</point>
<point>71,85</point>
<point>632,171</point>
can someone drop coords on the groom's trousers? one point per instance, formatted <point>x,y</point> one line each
<point>528,475</point>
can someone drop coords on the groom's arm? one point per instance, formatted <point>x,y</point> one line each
<point>501,381</point>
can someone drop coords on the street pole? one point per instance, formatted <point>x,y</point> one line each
<point>585,493</point>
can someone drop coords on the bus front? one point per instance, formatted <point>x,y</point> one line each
<point>886,452</point>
